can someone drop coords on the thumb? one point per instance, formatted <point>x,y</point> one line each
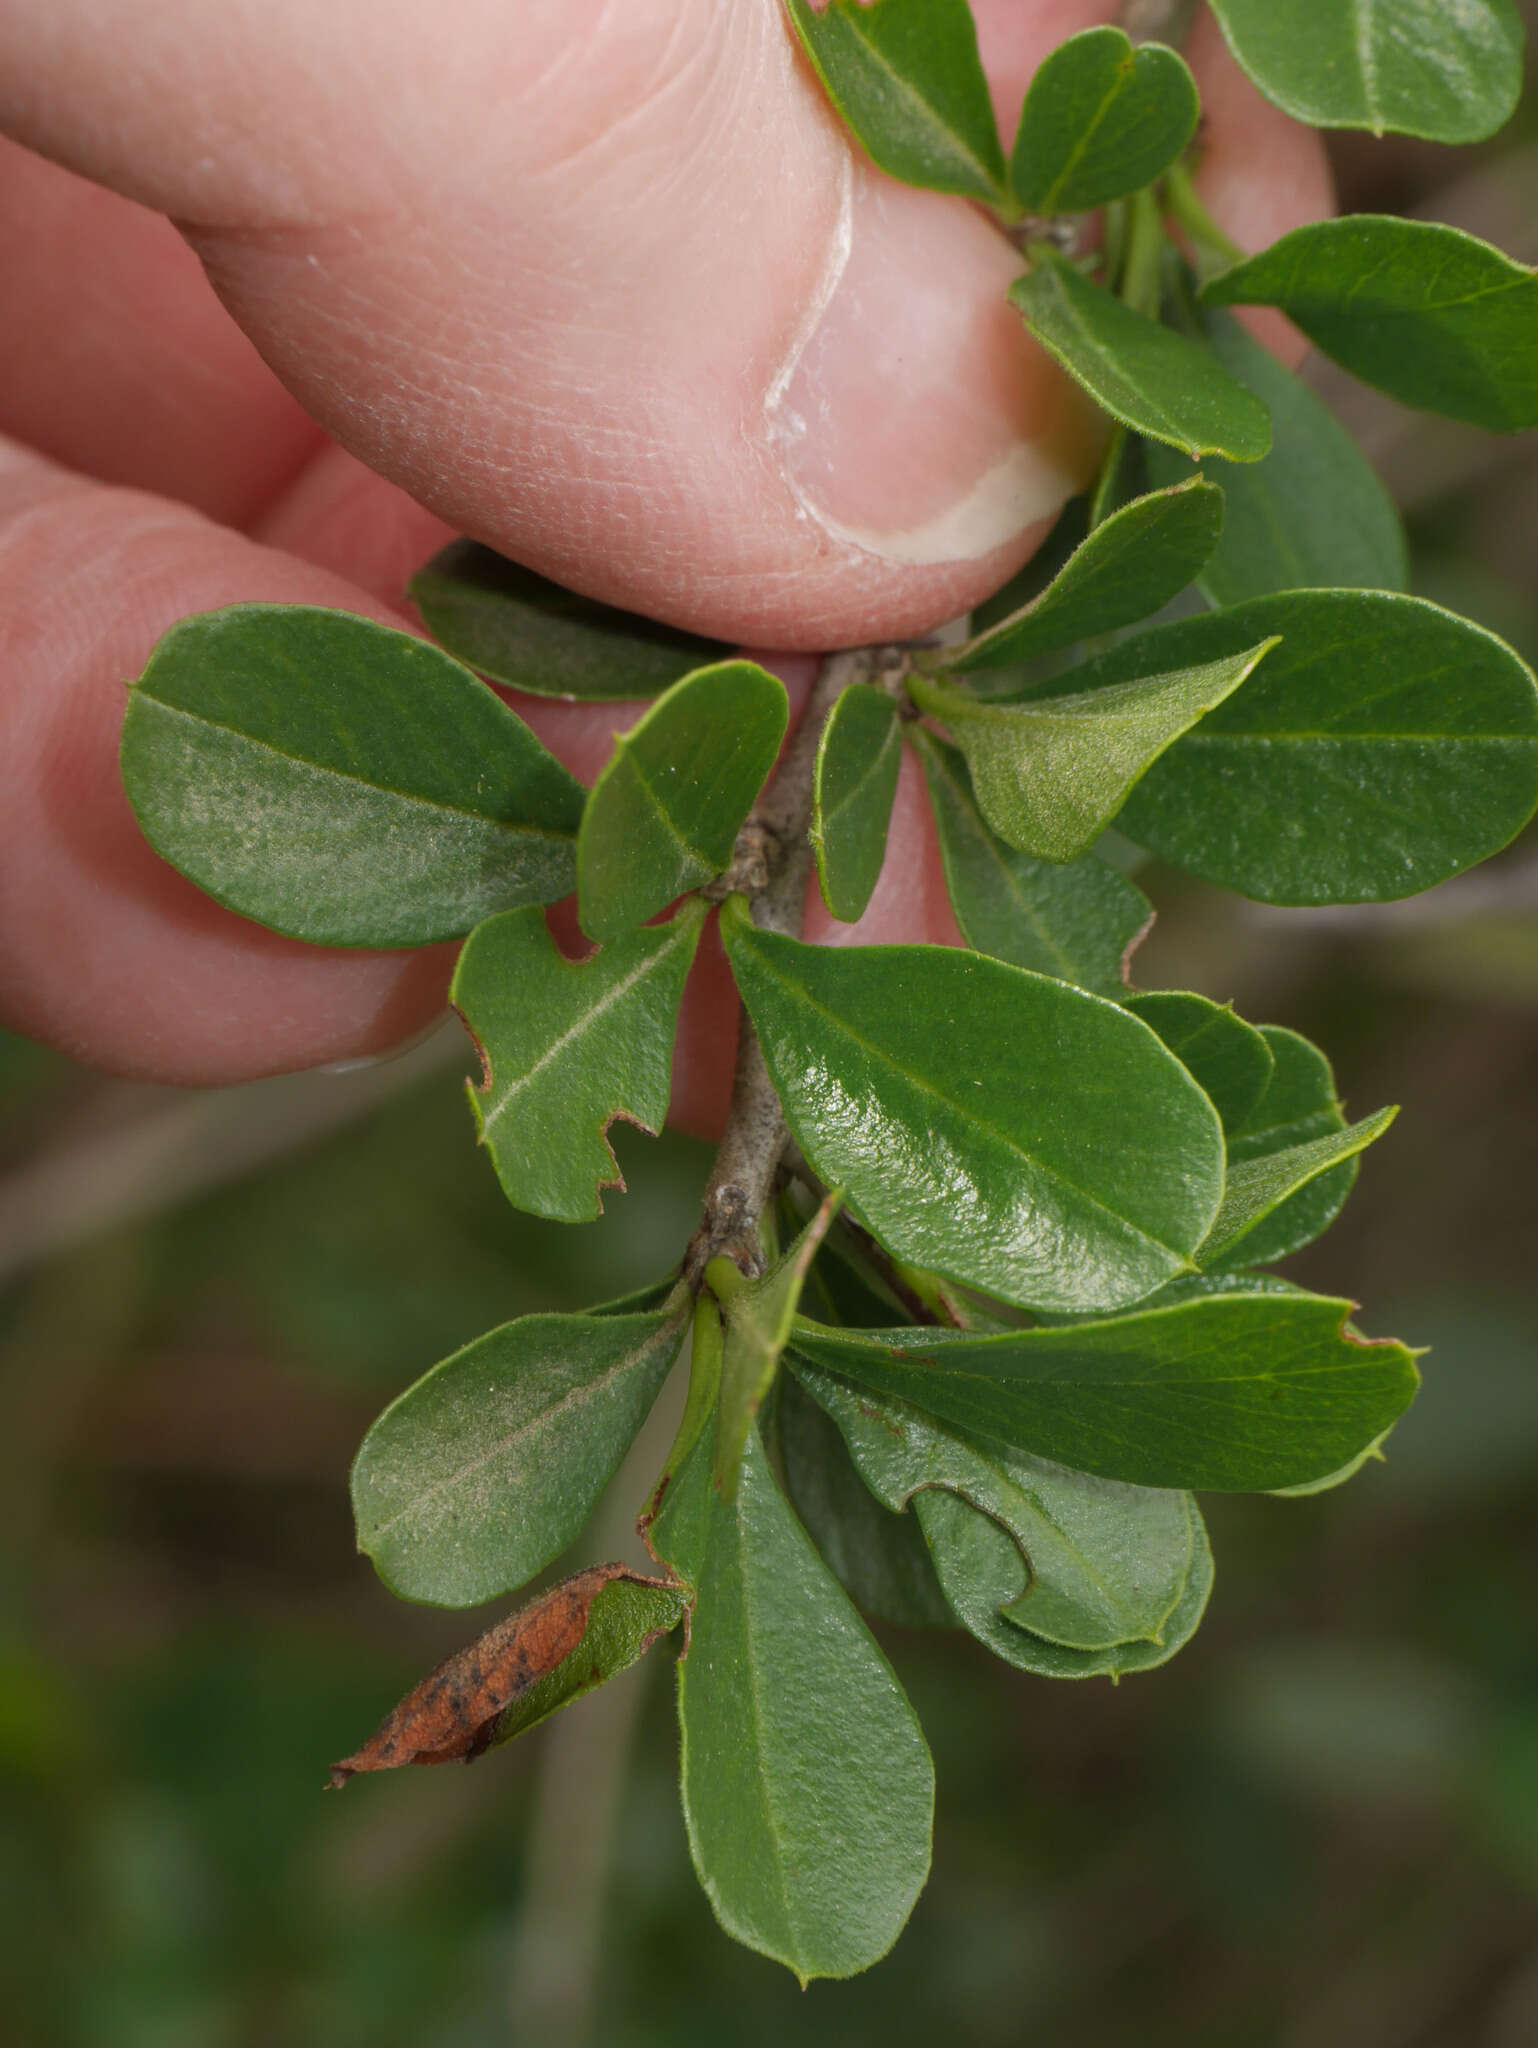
<point>607,287</point>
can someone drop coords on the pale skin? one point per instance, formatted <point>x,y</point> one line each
<point>603,284</point>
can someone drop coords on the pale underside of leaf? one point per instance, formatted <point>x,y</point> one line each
<point>466,863</point>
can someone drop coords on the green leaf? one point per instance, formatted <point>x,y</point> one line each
<point>1051,774</point>
<point>663,814</point>
<point>1233,1392</point>
<point>481,1473</point>
<point>675,1523</point>
<point>1230,1059</point>
<point>1103,1564</point>
<point>879,1558</point>
<point>566,1047</point>
<point>1451,73</point>
<point>978,1567</point>
<point>1353,767</point>
<point>1312,512</point>
<point>807,1787</point>
<point>340,781</point>
<point>1429,314</point>
<point>1130,566</point>
<point>855,780</point>
<point>1257,1188</point>
<point>906,76</point>
<point>1069,532</point>
<point>995,1126</point>
<point>522,630</point>
<point>1298,1108</point>
<point>1152,380</point>
<point>627,1616</point>
<point>1079,920</point>
<point>1373,1455</point>
<point>1101,119</point>
<point>758,1316</point>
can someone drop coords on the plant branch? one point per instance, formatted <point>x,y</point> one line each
<point>771,864</point>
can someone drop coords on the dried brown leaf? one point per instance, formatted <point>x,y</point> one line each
<point>457,1710</point>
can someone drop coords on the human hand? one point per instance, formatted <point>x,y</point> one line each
<point>607,287</point>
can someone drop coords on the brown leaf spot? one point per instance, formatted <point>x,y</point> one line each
<point>455,1711</point>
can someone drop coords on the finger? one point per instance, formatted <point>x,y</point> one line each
<point>105,950</point>
<point>117,360</point>
<point>649,322</point>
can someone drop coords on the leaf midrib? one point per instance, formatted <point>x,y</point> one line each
<point>615,993</point>
<point>1051,1174</point>
<point>957,146</point>
<point>574,1396</point>
<point>318,769</point>
<point>1087,135</point>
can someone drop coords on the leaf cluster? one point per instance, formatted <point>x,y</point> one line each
<point>988,1303</point>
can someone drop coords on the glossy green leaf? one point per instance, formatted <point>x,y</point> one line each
<point>627,1616</point>
<point>758,1315</point>
<point>858,758</point>
<point>1103,1564</point>
<point>1128,568</point>
<point>906,76</point>
<point>1383,746</point>
<point>1298,1108</point>
<point>1229,1058</point>
<point>879,1558</point>
<point>979,1570</point>
<point>340,781</point>
<point>1233,1392</point>
<point>807,1787</point>
<point>1429,314</point>
<point>1146,376</point>
<point>1101,119</point>
<point>566,1047</point>
<point>998,1127</point>
<point>1050,774</point>
<point>664,812</point>
<point>522,630</point>
<point>1256,1188</point>
<point>1450,70</point>
<point>1312,512</point>
<point>481,1473</point>
<point>1079,919</point>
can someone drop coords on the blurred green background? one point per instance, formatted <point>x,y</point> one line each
<point>1319,1825</point>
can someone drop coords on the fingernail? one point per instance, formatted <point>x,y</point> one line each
<point>913,416</point>
<point>364,1062</point>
